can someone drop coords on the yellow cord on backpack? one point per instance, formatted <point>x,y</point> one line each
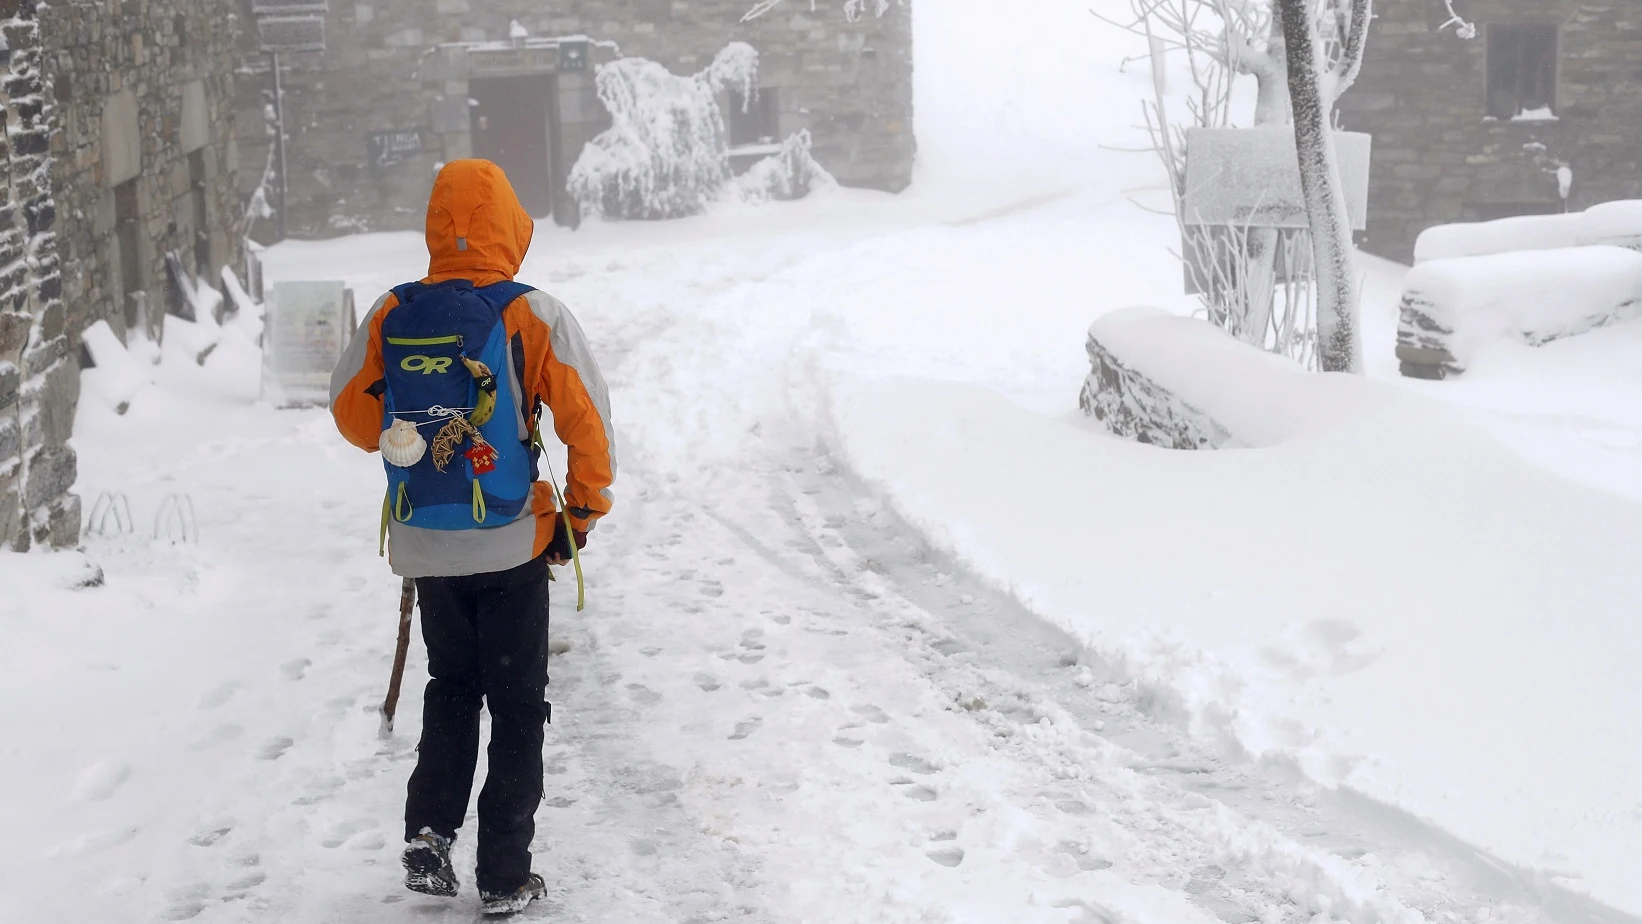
<point>569,531</point>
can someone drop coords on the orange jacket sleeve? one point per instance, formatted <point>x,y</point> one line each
<point>356,383</point>
<point>560,365</point>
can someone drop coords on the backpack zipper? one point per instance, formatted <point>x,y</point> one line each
<point>425,341</point>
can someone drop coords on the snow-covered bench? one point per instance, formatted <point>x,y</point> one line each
<point>1452,307</point>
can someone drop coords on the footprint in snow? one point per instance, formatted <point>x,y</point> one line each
<point>244,884</point>
<point>753,639</point>
<point>295,670</point>
<point>872,714</point>
<point>745,728</point>
<point>275,749</point>
<point>1086,860</point>
<point>643,694</point>
<point>844,742</point>
<point>817,693</point>
<point>210,837</point>
<point>911,762</point>
<point>218,695</point>
<point>100,780</point>
<point>707,683</point>
<point>1074,807</point>
<point>950,857</point>
<point>343,831</point>
<point>917,793</point>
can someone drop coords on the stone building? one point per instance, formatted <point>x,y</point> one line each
<point>39,380</point>
<point>1540,112</point>
<point>120,164</point>
<point>403,86</point>
<point>144,152</point>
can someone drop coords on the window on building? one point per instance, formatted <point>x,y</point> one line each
<point>1522,71</point>
<point>202,226</point>
<point>757,121</point>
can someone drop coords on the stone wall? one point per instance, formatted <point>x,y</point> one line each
<point>405,66</point>
<point>1437,158</point>
<point>39,380</point>
<point>144,137</point>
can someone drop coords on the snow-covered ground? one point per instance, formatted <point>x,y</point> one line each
<point>881,629</point>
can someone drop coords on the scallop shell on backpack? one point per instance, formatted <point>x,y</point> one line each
<point>402,444</point>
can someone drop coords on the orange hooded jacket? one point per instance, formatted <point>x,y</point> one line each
<point>477,230</point>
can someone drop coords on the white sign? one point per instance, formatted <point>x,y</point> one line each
<point>1250,177</point>
<point>308,326</point>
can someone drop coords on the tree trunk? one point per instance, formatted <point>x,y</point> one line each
<point>1271,107</point>
<point>1339,343</point>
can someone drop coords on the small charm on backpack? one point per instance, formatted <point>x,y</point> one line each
<point>450,436</point>
<point>402,444</point>
<point>485,407</point>
<point>483,456</point>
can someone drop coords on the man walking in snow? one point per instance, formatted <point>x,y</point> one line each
<point>447,378</point>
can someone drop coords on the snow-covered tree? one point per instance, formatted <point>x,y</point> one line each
<point>1315,85</point>
<point>665,154</point>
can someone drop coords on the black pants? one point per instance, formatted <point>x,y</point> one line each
<point>487,638</point>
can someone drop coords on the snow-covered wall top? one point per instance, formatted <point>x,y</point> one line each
<point>1453,308</point>
<point>1609,223</point>
<point>1234,394</point>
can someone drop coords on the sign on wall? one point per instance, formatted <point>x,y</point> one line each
<point>1250,177</point>
<point>389,149</point>
<point>308,326</point>
<point>572,55</point>
<point>291,33</point>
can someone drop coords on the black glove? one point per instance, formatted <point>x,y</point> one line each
<point>558,550</point>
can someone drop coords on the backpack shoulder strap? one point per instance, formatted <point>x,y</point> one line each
<point>404,293</point>
<point>502,294</point>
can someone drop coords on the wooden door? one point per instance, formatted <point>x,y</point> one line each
<point>511,122</point>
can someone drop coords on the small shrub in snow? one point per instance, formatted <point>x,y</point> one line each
<point>665,154</point>
<point>790,173</point>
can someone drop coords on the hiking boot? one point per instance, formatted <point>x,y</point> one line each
<point>516,900</point>
<point>427,865</point>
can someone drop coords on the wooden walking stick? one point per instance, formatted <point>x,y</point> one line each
<point>407,602</point>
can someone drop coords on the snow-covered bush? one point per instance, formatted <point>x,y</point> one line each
<point>1452,308</point>
<point>790,173</point>
<point>666,153</point>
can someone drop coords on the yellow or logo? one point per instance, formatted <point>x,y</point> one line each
<point>427,365</point>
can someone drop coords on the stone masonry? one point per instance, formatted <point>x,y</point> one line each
<point>408,68</point>
<point>1438,158</point>
<point>144,145</point>
<point>39,380</point>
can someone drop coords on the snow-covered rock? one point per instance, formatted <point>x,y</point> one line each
<point>1451,308</point>
<point>1183,383</point>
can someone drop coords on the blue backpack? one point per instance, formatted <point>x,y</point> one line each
<point>449,374</point>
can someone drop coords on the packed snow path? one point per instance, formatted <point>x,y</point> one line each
<point>780,706</point>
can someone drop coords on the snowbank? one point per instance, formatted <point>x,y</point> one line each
<point>115,376</point>
<point>1452,308</point>
<point>1384,597</point>
<point>1618,222</point>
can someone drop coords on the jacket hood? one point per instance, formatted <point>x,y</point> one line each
<point>475,222</point>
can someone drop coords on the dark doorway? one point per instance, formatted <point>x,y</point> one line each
<point>511,121</point>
